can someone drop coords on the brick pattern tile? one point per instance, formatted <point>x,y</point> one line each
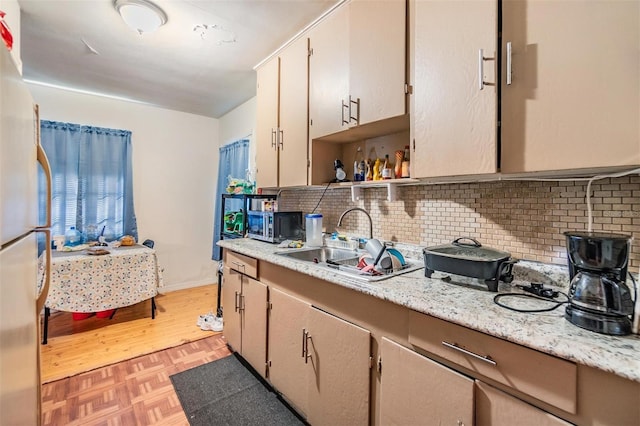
<point>525,218</point>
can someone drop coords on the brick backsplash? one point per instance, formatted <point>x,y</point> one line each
<point>524,218</point>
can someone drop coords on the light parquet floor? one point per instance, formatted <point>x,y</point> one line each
<point>75,347</point>
<point>134,392</point>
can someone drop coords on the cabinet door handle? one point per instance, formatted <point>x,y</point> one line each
<point>357,104</point>
<point>481,59</point>
<point>304,342</point>
<point>236,302</point>
<point>455,346</point>
<point>274,136</point>
<point>281,139</point>
<point>305,346</point>
<point>241,308</point>
<point>509,63</point>
<point>348,107</point>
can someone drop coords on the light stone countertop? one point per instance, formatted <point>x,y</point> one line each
<point>468,303</point>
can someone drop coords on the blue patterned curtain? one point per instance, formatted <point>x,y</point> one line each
<point>92,179</point>
<point>234,162</point>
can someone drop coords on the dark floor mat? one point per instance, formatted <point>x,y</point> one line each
<point>225,392</point>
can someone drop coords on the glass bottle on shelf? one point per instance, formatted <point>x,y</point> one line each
<point>387,168</point>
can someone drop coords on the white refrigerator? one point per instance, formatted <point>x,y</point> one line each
<point>20,301</point>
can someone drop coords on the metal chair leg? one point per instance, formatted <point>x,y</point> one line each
<point>153,308</point>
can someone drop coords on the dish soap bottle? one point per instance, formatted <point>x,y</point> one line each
<point>377,167</point>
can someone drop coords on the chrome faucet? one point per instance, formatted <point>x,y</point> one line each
<point>363,211</point>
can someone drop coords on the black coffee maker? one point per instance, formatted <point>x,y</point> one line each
<point>599,298</point>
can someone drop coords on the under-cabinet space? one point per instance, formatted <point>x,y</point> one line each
<point>324,153</point>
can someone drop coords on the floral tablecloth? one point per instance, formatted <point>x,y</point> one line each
<point>88,283</point>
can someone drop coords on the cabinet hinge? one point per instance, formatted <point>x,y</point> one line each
<point>269,306</point>
<point>311,51</point>
<point>408,89</point>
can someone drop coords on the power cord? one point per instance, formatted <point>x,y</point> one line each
<point>321,197</point>
<point>537,291</point>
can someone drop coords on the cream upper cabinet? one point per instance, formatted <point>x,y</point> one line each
<point>267,124</point>
<point>377,59</point>
<point>454,101</point>
<point>282,140</point>
<point>293,137</point>
<point>358,66</point>
<point>328,73</point>
<point>573,99</point>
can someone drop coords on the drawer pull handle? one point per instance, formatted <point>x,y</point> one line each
<point>238,265</point>
<point>455,346</point>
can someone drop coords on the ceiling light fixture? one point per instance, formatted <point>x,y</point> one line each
<point>141,15</point>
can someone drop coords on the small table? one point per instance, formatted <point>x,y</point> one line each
<point>81,282</point>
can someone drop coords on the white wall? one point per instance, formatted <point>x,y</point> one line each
<point>175,163</point>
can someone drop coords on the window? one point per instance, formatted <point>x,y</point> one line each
<point>91,178</point>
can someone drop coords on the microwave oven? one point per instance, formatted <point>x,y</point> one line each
<point>274,227</point>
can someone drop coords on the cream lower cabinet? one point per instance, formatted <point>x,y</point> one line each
<point>319,362</point>
<point>497,408</point>
<point>244,300</point>
<point>415,390</point>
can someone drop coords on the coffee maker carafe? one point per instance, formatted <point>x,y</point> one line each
<point>599,299</point>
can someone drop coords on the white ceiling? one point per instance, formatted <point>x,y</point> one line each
<point>174,67</point>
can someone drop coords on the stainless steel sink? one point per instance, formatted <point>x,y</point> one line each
<point>344,262</point>
<point>321,254</point>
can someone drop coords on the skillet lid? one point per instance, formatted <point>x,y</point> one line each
<point>468,251</point>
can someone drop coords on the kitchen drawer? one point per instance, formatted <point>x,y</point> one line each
<point>241,263</point>
<point>541,376</point>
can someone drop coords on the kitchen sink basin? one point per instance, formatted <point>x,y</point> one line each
<point>344,262</point>
<point>322,254</point>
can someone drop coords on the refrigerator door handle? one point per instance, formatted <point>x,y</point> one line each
<point>42,297</point>
<point>44,162</point>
